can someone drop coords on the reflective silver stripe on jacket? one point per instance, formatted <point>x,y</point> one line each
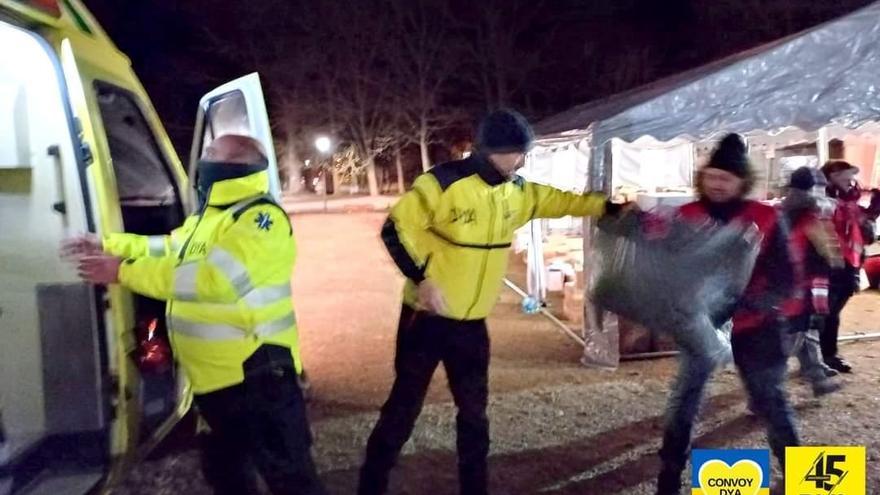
<point>219,331</point>
<point>264,296</point>
<point>234,270</point>
<point>156,245</point>
<point>185,282</point>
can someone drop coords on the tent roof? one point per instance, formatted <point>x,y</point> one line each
<point>811,79</point>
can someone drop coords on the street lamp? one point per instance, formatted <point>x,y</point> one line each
<point>323,145</point>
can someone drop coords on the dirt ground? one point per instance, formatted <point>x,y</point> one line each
<point>557,427</point>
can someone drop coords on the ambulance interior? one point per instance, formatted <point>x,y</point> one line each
<point>56,341</point>
<point>151,205</point>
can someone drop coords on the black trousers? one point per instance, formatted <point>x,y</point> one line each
<point>423,342</point>
<point>259,425</point>
<point>842,286</point>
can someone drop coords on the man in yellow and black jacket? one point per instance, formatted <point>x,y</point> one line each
<point>450,236</point>
<point>225,274</point>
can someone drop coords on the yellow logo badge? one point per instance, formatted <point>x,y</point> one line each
<point>743,478</point>
<point>825,471</point>
<point>730,472</point>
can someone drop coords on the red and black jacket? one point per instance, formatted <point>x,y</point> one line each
<point>812,270</point>
<point>772,286</point>
<point>853,222</point>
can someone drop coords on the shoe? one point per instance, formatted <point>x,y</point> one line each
<point>829,372</point>
<point>839,364</point>
<point>669,482</point>
<point>825,387</point>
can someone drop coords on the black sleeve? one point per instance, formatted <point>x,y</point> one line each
<point>399,254</point>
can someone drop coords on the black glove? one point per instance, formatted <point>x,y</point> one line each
<point>612,209</point>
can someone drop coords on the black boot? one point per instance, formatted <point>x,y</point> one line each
<point>839,364</point>
<point>669,481</point>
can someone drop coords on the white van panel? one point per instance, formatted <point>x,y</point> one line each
<point>30,230</point>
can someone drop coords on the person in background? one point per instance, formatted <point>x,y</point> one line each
<point>854,225</point>
<point>450,236</point>
<point>816,250</point>
<point>225,274</point>
<point>758,324</point>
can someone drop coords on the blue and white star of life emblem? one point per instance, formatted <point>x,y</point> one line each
<point>263,221</point>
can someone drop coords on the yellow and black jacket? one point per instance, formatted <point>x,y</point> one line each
<point>226,276</point>
<point>456,225</point>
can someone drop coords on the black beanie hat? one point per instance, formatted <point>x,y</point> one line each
<point>504,131</point>
<point>731,155</point>
<point>803,178</point>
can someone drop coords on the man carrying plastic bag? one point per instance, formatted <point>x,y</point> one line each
<point>706,258</point>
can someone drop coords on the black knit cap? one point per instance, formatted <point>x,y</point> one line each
<point>504,131</point>
<point>731,155</point>
<point>803,178</point>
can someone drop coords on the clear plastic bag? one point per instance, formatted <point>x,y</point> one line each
<point>672,276</point>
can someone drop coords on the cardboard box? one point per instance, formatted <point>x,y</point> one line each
<point>573,304</point>
<point>555,279</point>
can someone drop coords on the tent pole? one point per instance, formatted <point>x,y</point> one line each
<point>822,145</point>
<point>560,325</point>
<point>858,337</point>
<point>647,355</point>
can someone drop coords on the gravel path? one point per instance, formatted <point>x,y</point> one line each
<point>556,427</point>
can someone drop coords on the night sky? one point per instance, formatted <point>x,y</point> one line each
<point>570,51</point>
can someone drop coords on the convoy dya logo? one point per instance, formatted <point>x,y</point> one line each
<point>825,470</point>
<point>730,472</point>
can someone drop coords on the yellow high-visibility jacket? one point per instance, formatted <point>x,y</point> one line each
<point>456,225</point>
<point>226,276</point>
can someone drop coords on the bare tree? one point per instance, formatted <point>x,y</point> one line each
<point>497,51</point>
<point>282,70</point>
<point>353,80</point>
<point>424,57</point>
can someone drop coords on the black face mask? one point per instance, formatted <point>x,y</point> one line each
<point>209,172</point>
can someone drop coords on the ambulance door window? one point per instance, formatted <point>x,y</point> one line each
<point>226,114</point>
<point>143,176</point>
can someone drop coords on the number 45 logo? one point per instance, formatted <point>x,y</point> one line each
<point>825,473</point>
<point>825,470</point>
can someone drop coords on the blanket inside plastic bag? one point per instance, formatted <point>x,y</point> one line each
<point>672,276</point>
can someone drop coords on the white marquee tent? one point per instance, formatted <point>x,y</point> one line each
<point>812,86</point>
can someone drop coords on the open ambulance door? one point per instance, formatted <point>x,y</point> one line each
<point>237,107</point>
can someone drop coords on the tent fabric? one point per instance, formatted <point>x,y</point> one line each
<point>565,167</point>
<point>648,164</point>
<point>822,76</point>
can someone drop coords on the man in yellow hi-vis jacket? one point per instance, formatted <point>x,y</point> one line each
<point>225,274</point>
<point>450,236</point>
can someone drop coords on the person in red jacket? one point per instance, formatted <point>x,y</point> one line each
<point>854,226</point>
<point>758,330</point>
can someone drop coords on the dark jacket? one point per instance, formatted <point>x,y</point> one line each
<point>814,247</point>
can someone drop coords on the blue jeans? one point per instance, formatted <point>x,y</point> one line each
<point>764,380</point>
